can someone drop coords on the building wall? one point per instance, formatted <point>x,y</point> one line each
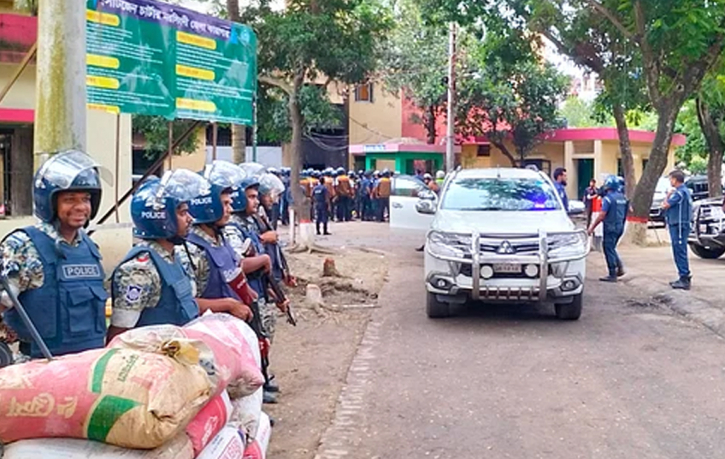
<point>376,122</point>
<point>22,93</point>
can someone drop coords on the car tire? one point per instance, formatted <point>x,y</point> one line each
<point>707,253</point>
<point>436,309</point>
<point>570,311</point>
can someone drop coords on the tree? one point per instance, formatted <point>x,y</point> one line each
<point>710,107</point>
<point>580,113</point>
<point>675,44</point>
<point>155,130</point>
<point>414,64</point>
<point>334,40</point>
<point>239,132</point>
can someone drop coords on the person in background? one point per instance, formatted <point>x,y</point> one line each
<point>344,192</point>
<point>151,285</point>
<point>440,178</point>
<point>560,184</point>
<point>365,188</point>
<point>286,198</point>
<point>678,214</point>
<point>382,192</point>
<point>590,194</point>
<point>321,199</point>
<point>614,214</point>
<point>430,183</point>
<point>53,266</point>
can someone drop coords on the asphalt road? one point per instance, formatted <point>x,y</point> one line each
<point>628,380</point>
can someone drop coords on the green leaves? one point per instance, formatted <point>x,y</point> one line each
<point>155,131</point>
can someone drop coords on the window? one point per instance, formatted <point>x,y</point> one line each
<point>484,151</point>
<point>407,186</point>
<point>500,194</point>
<point>364,93</point>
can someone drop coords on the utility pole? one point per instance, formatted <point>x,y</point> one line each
<point>450,128</point>
<point>60,94</point>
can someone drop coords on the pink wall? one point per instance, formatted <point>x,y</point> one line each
<point>417,130</point>
<point>18,33</point>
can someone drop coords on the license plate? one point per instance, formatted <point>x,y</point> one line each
<point>507,268</point>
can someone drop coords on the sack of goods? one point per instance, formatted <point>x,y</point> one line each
<point>119,396</point>
<point>257,448</point>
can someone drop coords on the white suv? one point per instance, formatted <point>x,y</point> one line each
<point>502,235</point>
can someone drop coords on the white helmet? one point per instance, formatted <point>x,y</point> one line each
<point>440,175</point>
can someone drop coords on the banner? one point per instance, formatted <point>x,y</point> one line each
<point>153,58</point>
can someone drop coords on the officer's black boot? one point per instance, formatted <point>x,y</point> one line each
<point>620,271</point>
<point>327,233</point>
<point>317,227</point>
<point>683,283</point>
<point>271,385</point>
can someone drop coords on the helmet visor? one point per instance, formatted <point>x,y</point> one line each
<point>271,184</point>
<point>63,168</point>
<point>182,185</point>
<point>253,169</point>
<point>224,174</point>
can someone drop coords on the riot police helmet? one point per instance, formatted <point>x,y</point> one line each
<point>223,177</point>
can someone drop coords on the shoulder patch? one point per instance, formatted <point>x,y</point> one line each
<point>133,294</point>
<point>142,257</point>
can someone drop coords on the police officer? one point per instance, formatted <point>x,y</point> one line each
<point>53,266</point>
<point>364,190</point>
<point>270,187</point>
<point>151,286</point>
<point>678,213</point>
<point>329,181</point>
<point>440,178</point>
<point>344,193</point>
<point>560,185</point>
<point>382,195</point>
<point>286,197</point>
<point>211,257</point>
<point>614,214</point>
<point>321,199</point>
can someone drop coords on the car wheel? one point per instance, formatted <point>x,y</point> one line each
<point>436,309</point>
<point>570,311</point>
<point>707,253</point>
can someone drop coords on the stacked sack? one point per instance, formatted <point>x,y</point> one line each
<point>156,392</point>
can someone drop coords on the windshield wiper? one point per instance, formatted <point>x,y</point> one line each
<point>482,209</point>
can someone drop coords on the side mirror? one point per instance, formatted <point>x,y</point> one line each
<point>425,206</point>
<point>427,195</point>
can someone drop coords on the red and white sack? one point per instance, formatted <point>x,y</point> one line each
<point>240,343</point>
<point>70,448</point>
<point>257,448</point>
<point>228,444</point>
<point>117,396</point>
<point>246,413</point>
<point>209,422</point>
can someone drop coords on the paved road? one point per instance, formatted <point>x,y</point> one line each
<point>626,381</point>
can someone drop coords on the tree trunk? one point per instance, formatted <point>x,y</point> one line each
<point>239,132</point>
<point>302,205</point>
<point>625,148</point>
<point>504,149</point>
<point>642,200</point>
<point>430,125</point>
<point>715,146</point>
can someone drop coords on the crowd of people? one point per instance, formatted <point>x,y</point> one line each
<point>203,242</point>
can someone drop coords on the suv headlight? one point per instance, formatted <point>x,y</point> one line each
<point>448,245</point>
<point>568,245</point>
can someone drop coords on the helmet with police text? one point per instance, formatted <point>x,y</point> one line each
<point>70,170</point>
<point>440,175</point>
<point>269,184</point>
<point>612,183</point>
<point>154,205</point>
<point>222,176</point>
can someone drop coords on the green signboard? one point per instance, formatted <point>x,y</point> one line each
<point>157,59</point>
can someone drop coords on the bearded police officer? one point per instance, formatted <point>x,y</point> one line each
<point>53,266</point>
<point>151,286</point>
<point>614,215</point>
<point>211,257</point>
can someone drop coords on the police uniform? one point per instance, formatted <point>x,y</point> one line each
<point>679,218</point>
<point>382,193</point>
<point>561,190</point>
<point>344,195</point>
<point>321,199</point>
<point>615,206</point>
<point>152,286</point>
<point>61,287</point>
<point>211,259</point>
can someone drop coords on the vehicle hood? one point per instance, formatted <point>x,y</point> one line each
<point>501,222</point>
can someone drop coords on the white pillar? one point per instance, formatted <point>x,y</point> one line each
<point>599,162</point>
<point>570,166</point>
<point>60,106</point>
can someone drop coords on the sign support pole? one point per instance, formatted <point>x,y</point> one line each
<point>254,129</point>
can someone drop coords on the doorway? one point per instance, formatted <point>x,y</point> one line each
<point>584,173</point>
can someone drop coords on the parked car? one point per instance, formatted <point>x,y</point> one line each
<point>656,213</point>
<point>502,235</point>
<point>707,238</point>
<point>698,186</point>
<point>576,207</point>
<point>404,196</point>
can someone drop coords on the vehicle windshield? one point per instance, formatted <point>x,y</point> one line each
<point>491,194</point>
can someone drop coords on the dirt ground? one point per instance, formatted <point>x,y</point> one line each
<point>311,360</point>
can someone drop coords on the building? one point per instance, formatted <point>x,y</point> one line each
<point>377,117</point>
<point>17,35</point>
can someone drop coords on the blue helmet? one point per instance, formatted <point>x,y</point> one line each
<point>612,183</point>
<point>270,184</point>
<point>70,170</point>
<point>223,176</point>
<point>620,180</point>
<point>239,198</point>
<point>153,206</point>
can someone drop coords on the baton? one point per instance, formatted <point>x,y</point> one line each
<point>25,317</point>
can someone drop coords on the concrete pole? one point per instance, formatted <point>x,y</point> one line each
<point>60,94</point>
<point>451,114</point>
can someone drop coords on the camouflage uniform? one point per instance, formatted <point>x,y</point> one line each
<point>137,284</point>
<point>267,310</point>
<point>21,261</point>
<point>197,261</point>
